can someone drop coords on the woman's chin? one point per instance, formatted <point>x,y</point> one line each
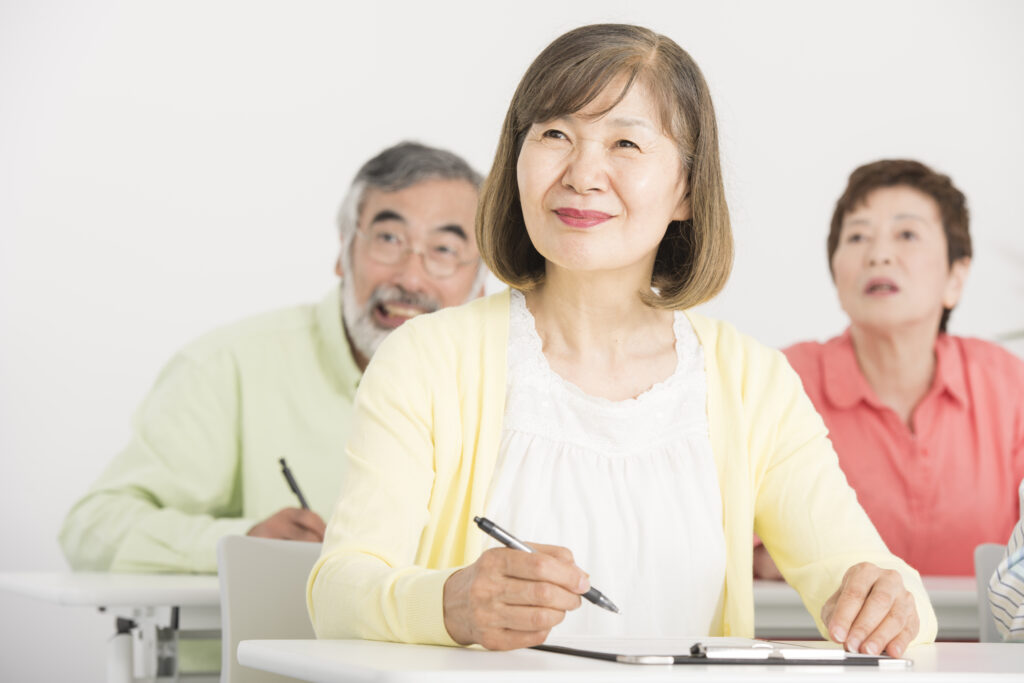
<point>884,323</point>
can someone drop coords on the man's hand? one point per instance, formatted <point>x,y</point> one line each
<point>293,524</point>
<point>871,612</point>
<point>509,598</point>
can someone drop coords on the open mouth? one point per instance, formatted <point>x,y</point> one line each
<point>391,314</point>
<point>881,287</point>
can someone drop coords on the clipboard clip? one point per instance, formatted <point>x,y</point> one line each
<point>758,650</point>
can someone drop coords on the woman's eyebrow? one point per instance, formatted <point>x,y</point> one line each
<point>911,216</point>
<point>620,121</point>
<point>628,121</point>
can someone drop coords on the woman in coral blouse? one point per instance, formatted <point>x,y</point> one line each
<point>928,426</point>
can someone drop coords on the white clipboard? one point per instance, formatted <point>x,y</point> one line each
<point>712,650</point>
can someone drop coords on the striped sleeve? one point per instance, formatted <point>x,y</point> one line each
<point>1006,588</point>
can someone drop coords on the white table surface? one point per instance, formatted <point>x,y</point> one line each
<point>105,589</point>
<point>341,661</point>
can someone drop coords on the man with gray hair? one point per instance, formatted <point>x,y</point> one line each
<point>405,191</point>
<point>203,460</point>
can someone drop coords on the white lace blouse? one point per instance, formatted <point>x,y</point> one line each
<point>629,486</point>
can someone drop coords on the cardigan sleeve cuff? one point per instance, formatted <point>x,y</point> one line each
<point>422,597</point>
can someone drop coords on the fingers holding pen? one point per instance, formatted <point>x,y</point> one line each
<point>517,592</point>
<point>509,598</point>
<point>294,524</point>
<point>554,564</point>
<point>531,579</point>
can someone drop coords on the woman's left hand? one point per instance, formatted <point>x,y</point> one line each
<point>872,612</point>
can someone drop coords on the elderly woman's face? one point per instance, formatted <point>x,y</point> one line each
<point>598,193</point>
<point>891,267</point>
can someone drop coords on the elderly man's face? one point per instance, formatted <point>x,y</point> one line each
<point>414,252</point>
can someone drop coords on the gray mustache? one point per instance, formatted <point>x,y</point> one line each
<point>397,295</point>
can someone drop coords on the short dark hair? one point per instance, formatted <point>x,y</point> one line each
<point>695,256</point>
<point>913,174</point>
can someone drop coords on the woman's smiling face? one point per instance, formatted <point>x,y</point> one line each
<point>599,191</point>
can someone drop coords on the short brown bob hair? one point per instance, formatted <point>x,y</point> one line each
<point>695,255</point>
<point>913,174</point>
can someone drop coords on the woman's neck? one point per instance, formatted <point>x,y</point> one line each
<point>899,365</point>
<point>587,311</point>
<point>598,334</point>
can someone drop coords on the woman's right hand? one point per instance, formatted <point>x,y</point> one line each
<point>509,599</point>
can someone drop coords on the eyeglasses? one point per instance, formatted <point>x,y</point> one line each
<point>443,254</point>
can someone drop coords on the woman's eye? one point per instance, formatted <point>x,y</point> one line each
<point>854,237</point>
<point>908,235</point>
<point>553,134</point>
<point>627,144</point>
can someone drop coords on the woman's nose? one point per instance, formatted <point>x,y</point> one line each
<point>585,171</point>
<point>879,254</point>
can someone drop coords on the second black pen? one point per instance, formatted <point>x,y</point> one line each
<point>293,485</point>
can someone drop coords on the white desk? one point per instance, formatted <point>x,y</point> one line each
<point>779,613</point>
<point>103,589</point>
<point>151,609</point>
<point>341,661</point>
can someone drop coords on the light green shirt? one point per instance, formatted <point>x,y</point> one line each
<point>202,462</point>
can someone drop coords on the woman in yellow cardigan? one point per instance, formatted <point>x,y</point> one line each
<point>588,408</point>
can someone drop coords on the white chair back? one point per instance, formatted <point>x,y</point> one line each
<point>986,557</point>
<point>262,595</point>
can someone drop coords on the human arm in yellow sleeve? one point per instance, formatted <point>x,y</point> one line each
<point>809,519</point>
<point>371,581</point>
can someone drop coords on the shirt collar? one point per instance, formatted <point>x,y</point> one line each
<point>845,384</point>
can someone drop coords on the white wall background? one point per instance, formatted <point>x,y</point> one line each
<point>166,167</point>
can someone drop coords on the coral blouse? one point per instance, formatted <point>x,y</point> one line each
<point>937,491</point>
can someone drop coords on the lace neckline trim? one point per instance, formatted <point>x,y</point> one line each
<point>523,331</point>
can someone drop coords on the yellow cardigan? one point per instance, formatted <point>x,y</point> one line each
<point>424,443</point>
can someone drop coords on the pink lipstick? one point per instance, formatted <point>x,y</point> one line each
<point>581,219</point>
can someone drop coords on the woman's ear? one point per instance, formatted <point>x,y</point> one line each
<point>955,282</point>
<point>338,270</point>
<point>683,211</point>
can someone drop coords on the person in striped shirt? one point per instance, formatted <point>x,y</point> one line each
<point>1006,588</point>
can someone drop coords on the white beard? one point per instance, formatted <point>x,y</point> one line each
<point>365,334</point>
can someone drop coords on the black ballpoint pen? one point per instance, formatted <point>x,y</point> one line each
<point>293,485</point>
<point>509,541</point>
